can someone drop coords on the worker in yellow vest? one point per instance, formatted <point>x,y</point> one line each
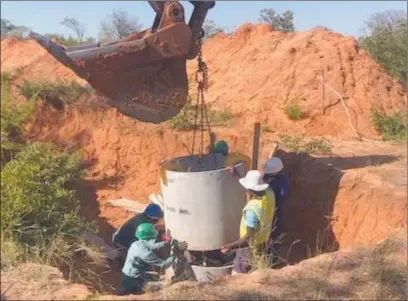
<point>256,222</point>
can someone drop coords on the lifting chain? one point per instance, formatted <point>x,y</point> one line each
<point>202,85</point>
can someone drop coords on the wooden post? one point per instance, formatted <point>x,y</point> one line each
<point>255,145</point>
<point>212,139</point>
<point>323,91</point>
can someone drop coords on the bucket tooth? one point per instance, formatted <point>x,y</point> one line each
<point>57,51</point>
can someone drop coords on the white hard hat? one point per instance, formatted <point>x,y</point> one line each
<point>273,165</point>
<point>253,181</point>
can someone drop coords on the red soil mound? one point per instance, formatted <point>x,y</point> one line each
<point>256,72</point>
<point>34,60</point>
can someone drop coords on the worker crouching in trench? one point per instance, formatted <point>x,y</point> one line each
<point>256,222</point>
<point>142,255</point>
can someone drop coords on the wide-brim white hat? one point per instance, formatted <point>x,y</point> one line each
<point>253,181</point>
<point>273,165</point>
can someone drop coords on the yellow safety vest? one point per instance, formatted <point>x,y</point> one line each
<point>265,211</point>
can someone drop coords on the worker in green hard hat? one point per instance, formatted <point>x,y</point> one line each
<point>221,147</point>
<point>140,256</point>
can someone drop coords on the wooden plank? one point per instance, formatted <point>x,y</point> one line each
<point>255,145</point>
<point>130,205</point>
<point>273,151</point>
<point>109,251</point>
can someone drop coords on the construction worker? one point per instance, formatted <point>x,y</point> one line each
<point>125,235</point>
<point>141,256</point>
<point>278,182</point>
<point>221,147</point>
<point>256,222</point>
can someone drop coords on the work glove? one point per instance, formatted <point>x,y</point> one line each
<point>182,245</point>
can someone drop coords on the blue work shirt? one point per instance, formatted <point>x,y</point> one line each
<point>141,255</point>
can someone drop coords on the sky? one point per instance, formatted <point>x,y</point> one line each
<point>346,17</point>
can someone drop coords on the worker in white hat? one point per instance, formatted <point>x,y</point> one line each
<point>278,182</point>
<point>256,221</point>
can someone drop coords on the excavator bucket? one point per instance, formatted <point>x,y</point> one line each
<point>144,75</point>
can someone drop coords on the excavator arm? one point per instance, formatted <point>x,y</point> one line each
<point>143,75</point>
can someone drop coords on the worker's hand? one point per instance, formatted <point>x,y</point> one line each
<point>225,249</point>
<point>232,170</point>
<point>182,245</point>
<point>168,236</point>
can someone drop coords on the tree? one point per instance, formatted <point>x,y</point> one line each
<point>286,21</point>
<point>118,26</point>
<point>9,29</point>
<point>282,22</point>
<point>6,27</point>
<point>75,26</point>
<point>211,29</point>
<point>385,38</point>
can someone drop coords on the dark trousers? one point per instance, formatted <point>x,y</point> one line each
<point>244,258</point>
<point>130,285</point>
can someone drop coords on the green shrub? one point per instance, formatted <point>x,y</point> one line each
<point>266,128</point>
<point>186,118</point>
<point>67,92</point>
<point>293,144</point>
<point>294,111</point>
<point>5,78</point>
<point>70,41</point>
<point>219,117</point>
<point>39,210</point>
<point>12,118</point>
<point>390,127</point>
<point>318,146</point>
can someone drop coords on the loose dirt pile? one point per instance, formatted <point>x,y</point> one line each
<point>257,72</point>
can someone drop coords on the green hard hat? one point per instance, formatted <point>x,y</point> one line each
<point>221,147</point>
<point>146,231</point>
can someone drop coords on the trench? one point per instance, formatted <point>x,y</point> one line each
<point>329,207</point>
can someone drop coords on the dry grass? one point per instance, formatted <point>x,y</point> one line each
<point>361,274</point>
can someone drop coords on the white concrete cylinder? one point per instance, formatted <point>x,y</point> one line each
<point>204,205</point>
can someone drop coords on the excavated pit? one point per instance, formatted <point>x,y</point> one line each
<point>331,205</point>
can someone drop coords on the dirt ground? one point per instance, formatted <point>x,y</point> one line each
<point>353,198</point>
<point>370,273</point>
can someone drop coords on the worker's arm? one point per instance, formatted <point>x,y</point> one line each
<point>153,260</point>
<point>240,243</point>
<point>252,223</point>
<point>159,245</point>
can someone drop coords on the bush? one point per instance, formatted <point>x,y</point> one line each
<point>185,119</point>
<point>318,146</point>
<point>70,41</point>
<point>12,118</point>
<point>294,112</point>
<point>39,210</point>
<point>390,127</point>
<point>67,92</point>
<point>220,117</point>
<point>293,144</point>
